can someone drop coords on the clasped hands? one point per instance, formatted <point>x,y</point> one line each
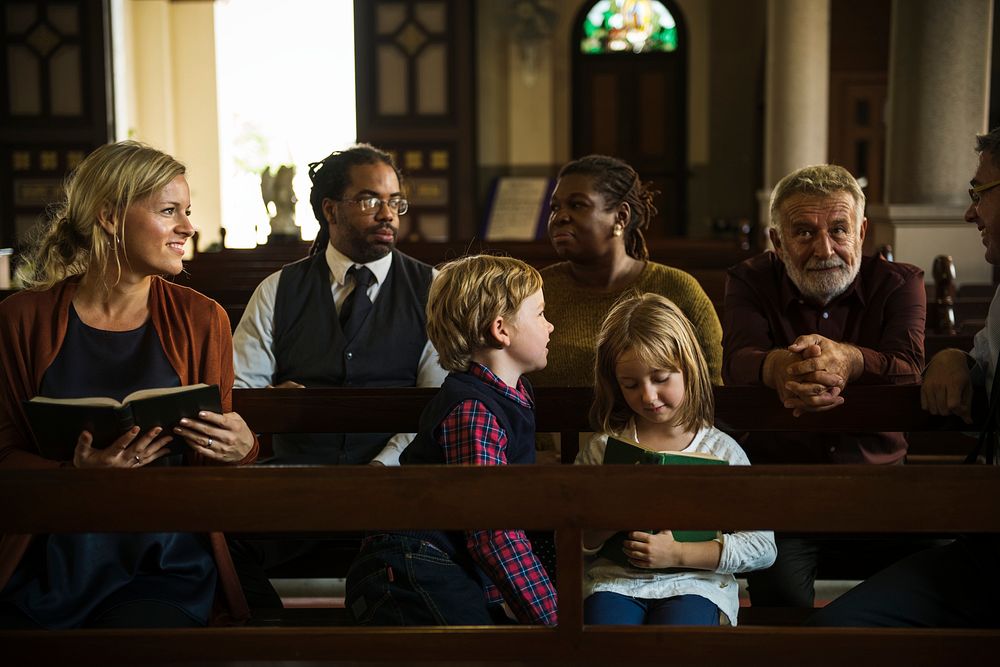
<point>810,374</point>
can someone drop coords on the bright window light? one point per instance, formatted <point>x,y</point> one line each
<point>285,74</point>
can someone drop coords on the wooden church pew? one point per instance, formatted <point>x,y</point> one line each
<point>564,410</point>
<point>928,499</point>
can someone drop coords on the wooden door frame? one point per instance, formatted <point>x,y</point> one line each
<point>581,109</point>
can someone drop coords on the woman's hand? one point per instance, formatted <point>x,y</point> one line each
<point>128,451</point>
<point>222,437</point>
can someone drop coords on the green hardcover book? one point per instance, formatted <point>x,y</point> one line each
<point>57,422</point>
<point>622,451</point>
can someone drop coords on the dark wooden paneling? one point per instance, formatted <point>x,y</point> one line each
<point>451,132</point>
<point>38,149</point>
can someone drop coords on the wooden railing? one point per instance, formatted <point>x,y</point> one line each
<point>568,499</point>
<point>564,410</point>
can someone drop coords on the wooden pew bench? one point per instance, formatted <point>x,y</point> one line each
<point>564,410</point>
<point>566,498</point>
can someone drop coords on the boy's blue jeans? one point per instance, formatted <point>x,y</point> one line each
<point>400,580</point>
<point>606,608</point>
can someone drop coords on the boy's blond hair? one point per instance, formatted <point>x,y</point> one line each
<point>465,299</point>
<point>654,329</point>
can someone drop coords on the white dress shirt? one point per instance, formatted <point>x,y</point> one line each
<point>254,336</point>
<point>986,346</point>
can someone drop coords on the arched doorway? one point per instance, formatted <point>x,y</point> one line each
<point>629,60</point>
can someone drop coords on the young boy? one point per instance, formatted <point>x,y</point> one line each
<point>485,317</point>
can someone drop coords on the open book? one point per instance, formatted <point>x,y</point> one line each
<point>628,452</point>
<point>58,422</point>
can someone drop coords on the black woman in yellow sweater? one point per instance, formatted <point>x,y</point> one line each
<point>599,210</point>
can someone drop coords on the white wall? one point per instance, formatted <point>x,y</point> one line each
<point>170,94</point>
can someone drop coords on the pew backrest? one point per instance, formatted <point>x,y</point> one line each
<point>568,499</point>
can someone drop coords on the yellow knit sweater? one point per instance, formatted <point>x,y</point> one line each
<point>577,313</point>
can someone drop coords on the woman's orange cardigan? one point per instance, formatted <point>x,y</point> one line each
<point>196,338</point>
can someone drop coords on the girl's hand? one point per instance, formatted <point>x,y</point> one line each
<point>662,550</point>
<point>653,551</point>
<point>222,437</point>
<point>129,451</point>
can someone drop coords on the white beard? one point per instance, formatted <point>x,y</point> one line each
<point>827,286</point>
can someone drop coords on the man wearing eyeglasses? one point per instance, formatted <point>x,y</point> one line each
<point>952,586</point>
<point>807,320</point>
<point>950,375</point>
<point>349,314</point>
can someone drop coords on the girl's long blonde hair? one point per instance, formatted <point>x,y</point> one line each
<point>658,333</point>
<point>108,182</point>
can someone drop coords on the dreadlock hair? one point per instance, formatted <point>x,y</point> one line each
<point>618,182</point>
<point>331,176</point>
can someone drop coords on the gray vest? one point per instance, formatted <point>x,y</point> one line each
<point>309,347</point>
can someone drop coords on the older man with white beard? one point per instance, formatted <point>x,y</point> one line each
<point>806,320</point>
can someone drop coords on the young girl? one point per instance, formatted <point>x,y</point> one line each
<point>652,386</point>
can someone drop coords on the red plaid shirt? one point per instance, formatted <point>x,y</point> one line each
<point>471,435</point>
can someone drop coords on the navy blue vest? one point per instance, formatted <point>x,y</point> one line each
<point>517,421</point>
<point>310,348</point>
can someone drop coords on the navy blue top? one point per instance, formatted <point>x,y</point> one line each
<point>517,421</point>
<point>66,580</point>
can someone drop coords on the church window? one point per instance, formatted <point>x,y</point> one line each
<point>628,26</point>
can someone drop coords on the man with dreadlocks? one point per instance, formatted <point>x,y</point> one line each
<point>351,314</point>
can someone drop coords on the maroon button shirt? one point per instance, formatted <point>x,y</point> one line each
<point>882,313</point>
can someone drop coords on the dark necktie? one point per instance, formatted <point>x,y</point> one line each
<point>357,304</point>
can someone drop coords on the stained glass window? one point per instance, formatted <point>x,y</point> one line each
<point>628,26</point>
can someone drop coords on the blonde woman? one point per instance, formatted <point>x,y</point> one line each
<point>98,319</point>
